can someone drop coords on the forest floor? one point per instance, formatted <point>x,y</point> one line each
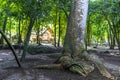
<point>10,71</point>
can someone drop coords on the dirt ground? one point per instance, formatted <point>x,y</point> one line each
<point>9,69</point>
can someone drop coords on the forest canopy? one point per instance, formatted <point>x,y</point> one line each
<point>18,17</point>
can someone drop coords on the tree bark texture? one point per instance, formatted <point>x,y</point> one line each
<point>74,39</point>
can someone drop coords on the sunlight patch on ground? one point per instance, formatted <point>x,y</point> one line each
<point>26,76</point>
<point>1,59</point>
<point>18,76</point>
<point>42,77</point>
<point>116,68</point>
<point>115,54</point>
<point>112,66</point>
<point>4,53</point>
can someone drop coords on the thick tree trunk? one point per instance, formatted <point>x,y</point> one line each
<point>74,45</point>
<point>74,39</point>
<point>74,57</point>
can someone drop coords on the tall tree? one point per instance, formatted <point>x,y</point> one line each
<point>74,39</point>
<point>26,42</point>
<point>32,12</point>
<point>74,56</point>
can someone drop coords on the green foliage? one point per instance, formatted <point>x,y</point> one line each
<point>47,13</point>
<point>102,14</point>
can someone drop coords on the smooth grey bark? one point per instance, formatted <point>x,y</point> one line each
<point>74,57</point>
<point>74,39</point>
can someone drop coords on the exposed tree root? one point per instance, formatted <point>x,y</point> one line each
<point>81,67</point>
<point>100,65</point>
<point>50,66</point>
